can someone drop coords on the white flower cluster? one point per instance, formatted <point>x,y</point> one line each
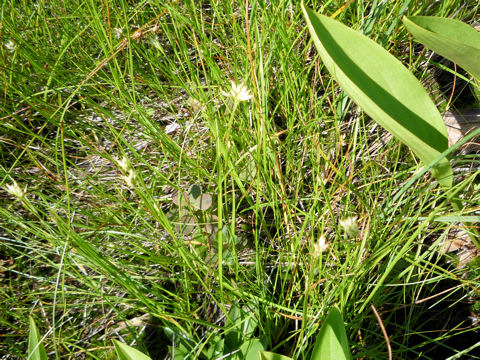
<point>127,170</point>
<point>10,46</point>
<point>117,32</point>
<point>349,226</point>
<point>238,93</point>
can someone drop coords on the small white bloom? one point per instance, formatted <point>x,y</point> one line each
<point>130,178</point>
<point>349,226</point>
<point>320,246</point>
<point>238,92</point>
<point>10,46</point>
<point>117,33</point>
<point>123,164</point>
<point>16,191</point>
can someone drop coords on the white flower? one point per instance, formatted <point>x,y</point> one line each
<point>320,246</point>
<point>10,45</point>
<point>16,190</point>
<point>123,164</point>
<point>130,178</point>
<point>238,92</point>
<point>349,226</point>
<point>117,33</point>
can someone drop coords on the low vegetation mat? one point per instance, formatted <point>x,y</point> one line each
<point>239,179</point>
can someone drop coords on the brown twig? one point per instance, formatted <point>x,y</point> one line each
<point>384,331</point>
<point>453,87</point>
<point>439,294</point>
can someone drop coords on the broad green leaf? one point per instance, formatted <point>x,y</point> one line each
<point>250,349</point>
<point>331,342</point>
<point>240,323</point>
<point>247,168</point>
<point>195,191</point>
<point>267,355</point>
<point>202,202</point>
<point>194,197</point>
<point>183,344</point>
<point>36,350</point>
<point>180,199</point>
<point>380,85</point>
<point>249,326</point>
<point>450,38</point>
<point>216,345</point>
<point>198,200</point>
<point>126,352</point>
<point>233,333</point>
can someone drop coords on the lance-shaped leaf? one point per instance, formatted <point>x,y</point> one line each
<point>450,38</point>
<point>267,355</point>
<point>380,85</point>
<point>126,352</point>
<point>36,351</point>
<point>331,342</point>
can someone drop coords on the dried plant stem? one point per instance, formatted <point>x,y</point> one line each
<point>384,331</point>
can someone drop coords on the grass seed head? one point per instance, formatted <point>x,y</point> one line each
<point>16,191</point>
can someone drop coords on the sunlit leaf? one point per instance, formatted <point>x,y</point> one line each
<point>331,342</point>
<point>250,349</point>
<point>195,198</point>
<point>36,350</point>
<point>383,88</point>
<point>450,38</point>
<point>183,344</point>
<point>195,191</point>
<point>216,347</point>
<point>267,355</point>
<point>240,324</point>
<point>126,352</point>
<point>202,202</point>
<point>180,199</point>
